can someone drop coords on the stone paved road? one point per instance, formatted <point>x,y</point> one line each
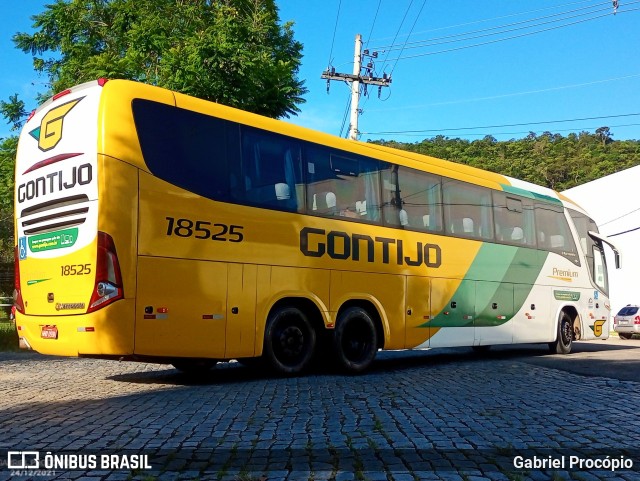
<point>437,415</point>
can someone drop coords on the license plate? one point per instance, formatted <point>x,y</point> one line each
<point>624,322</point>
<point>49,332</point>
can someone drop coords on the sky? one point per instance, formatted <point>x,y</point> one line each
<point>459,68</point>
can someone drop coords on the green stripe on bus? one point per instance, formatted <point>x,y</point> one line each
<point>512,270</point>
<point>530,195</point>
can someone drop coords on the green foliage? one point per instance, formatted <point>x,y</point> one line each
<point>7,163</point>
<point>234,52</point>
<point>8,335</point>
<point>550,159</point>
<point>14,111</point>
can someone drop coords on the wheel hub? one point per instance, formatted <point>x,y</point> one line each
<point>291,341</point>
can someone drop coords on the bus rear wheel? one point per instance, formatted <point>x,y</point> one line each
<point>355,340</point>
<point>564,338</point>
<point>289,341</point>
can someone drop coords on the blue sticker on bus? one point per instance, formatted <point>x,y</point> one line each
<point>22,247</point>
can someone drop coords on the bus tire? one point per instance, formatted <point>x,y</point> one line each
<point>564,337</point>
<point>355,340</point>
<point>194,366</point>
<point>289,340</point>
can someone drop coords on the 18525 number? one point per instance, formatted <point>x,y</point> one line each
<point>75,270</point>
<point>201,229</point>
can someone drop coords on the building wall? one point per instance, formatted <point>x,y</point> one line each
<point>613,202</point>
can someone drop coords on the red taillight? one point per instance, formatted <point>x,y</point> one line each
<point>102,81</point>
<point>636,320</point>
<point>17,291</point>
<point>61,94</point>
<point>108,284</point>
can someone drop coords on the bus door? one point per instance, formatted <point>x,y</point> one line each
<point>241,310</point>
<point>418,329</point>
<point>536,306</point>
<point>599,306</point>
<point>181,309</point>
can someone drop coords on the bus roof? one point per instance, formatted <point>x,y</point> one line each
<point>125,90</point>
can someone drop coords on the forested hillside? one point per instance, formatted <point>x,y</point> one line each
<point>551,160</point>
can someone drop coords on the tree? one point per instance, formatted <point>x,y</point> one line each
<point>230,51</point>
<point>547,159</point>
<point>7,161</point>
<point>235,52</point>
<point>14,111</point>
<point>604,135</point>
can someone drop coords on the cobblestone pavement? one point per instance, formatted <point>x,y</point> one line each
<point>414,416</point>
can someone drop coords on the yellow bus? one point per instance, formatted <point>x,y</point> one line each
<point>154,226</point>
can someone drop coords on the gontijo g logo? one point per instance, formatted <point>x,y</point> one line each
<point>49,133</point>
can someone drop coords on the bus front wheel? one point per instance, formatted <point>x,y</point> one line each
<point>355,340</point>
<point>564,338</point>
<point>289,340</point>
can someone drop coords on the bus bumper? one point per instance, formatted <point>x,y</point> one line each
<point>109,332</point>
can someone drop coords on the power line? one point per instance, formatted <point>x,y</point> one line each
<point>489,42</point>
<point>405,43</point>
<point>514,94</point>
<point>618,218</point>
<point>433,41</point>
<point>397,32</point>
<point>522,132</point>
<point>375,17</point>
<point>346,114</point>
<point>475,22</point>
<point>335,28</point>
<point>503,125</point>
<point>624,232</point>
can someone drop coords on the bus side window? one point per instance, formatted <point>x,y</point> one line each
<point>554,233</point>
<point>324,203</point>
<point>320,184</point>
<point>270,170</point>
<point>412,199</point>
<point>342,184</point>
<point>191,150</point>
<point>513,219</point>
<point>468,210</point>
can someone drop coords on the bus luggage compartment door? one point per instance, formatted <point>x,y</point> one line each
<point>494,309</point>
<point>181,309</point>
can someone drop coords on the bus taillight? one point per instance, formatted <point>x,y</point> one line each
<point>108,283</point>
<point>17,291</point>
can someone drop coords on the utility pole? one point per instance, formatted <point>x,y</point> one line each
<point>355,89</point>
<point>356,79</point>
